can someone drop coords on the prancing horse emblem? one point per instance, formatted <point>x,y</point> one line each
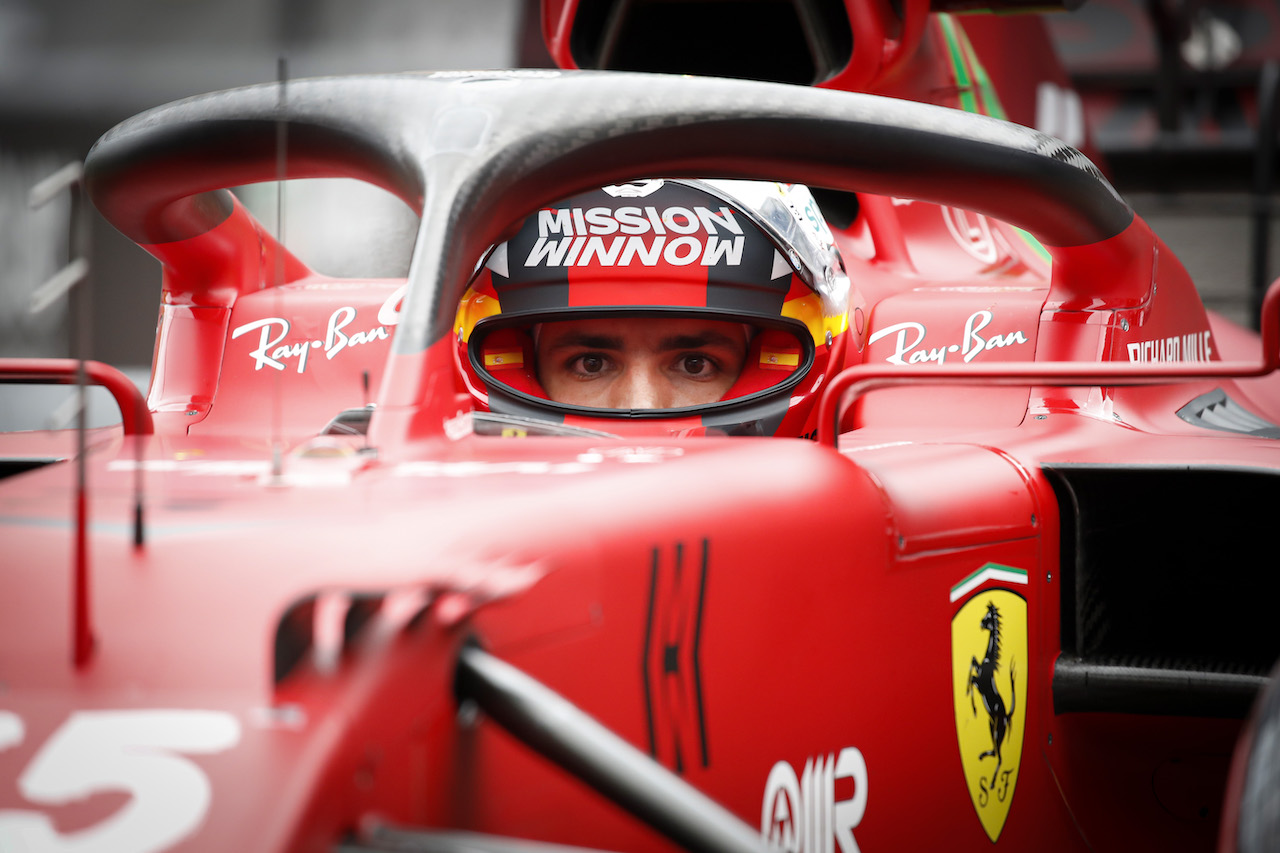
<point>983,677</point>
<point>988,660</point>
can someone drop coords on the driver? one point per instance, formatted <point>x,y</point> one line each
<point>661,307</point>
<point>639,362</point>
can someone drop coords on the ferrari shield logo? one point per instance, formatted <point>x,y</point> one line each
<point>989,689</point>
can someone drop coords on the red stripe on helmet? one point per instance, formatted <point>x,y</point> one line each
<point>640,270</point>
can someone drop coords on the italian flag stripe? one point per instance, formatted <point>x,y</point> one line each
<point>989,572</point>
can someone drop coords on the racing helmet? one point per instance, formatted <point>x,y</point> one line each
<point>752,257</point>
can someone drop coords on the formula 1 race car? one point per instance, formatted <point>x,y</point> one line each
<point>938,570</point>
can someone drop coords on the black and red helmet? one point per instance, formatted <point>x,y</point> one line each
<point>755,254</point>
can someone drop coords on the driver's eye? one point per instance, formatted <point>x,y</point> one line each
<point>697,365</point>
<point>589,364</point>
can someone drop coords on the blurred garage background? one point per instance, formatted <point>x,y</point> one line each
<point>1171,90</point>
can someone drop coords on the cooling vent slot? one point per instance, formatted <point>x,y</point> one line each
<point>10,467</point>
<point>1170,588</point>
<point>1216,410</point>
<point>322,627</point>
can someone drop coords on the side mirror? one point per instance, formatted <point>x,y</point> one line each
<point>1251,813</point>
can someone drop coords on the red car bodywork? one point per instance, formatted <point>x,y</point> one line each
<point>306,648</point>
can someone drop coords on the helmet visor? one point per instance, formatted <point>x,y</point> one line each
<point>632,365</point>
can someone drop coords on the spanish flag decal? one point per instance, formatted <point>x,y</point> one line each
<point>503,360</point>
<point>989,687</point>
<point>779,359</point>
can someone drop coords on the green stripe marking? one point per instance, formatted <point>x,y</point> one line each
<point>970,75</point>
<point>991,571</point>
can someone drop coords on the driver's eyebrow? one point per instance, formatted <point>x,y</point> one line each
<point>586,340</point>
<point>705,338</point>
